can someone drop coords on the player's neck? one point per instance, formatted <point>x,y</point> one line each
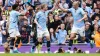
<point>43,10</point>
<point>76,8</point>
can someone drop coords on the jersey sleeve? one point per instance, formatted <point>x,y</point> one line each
<point>18,13</point>
<point>82,11</point>
<point>38,15</point>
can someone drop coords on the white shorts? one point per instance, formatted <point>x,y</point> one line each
<point>78,30</point>
<point>41,34</point>
<point>14,32</point>
<point>0,40</point>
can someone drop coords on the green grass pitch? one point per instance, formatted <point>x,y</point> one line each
<point>49,54</point>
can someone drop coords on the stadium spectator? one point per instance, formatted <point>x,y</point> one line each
<point>97,4</point>
<point>97,37</point>
<point>6,45</point>
<point>53,36</point>
<point>36,2</point>
<point>79,51</point>
<point>75,49</point>
<point>50,21</point>
<point>7,12</point>
<point>28,27</point>
<point>3,24</point>
<point>96,12</point>
<point>97,20</point>
<point>98,51</point>
<point>61,50</point>
<point>61,34</point>
<point>21,21</point>
<point>88,32</point>
<point>88,9</point>
<point>57,22</point>
<point>25,35</point>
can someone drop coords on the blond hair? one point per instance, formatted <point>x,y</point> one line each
<point>76,3</point>
<point>43,6</point>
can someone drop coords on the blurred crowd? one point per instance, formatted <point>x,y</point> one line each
<point>58,20</point>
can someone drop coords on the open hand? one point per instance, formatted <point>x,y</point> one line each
<point>79,20</point>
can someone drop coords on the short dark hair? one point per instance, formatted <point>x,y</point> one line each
<point>15,6</point>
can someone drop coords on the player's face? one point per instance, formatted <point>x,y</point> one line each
<point>75,5</point>
<point>46,8</point>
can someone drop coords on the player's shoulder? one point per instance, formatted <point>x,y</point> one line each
<point>14,11</point>
<point>80,8</point>
<point>39,12</point>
